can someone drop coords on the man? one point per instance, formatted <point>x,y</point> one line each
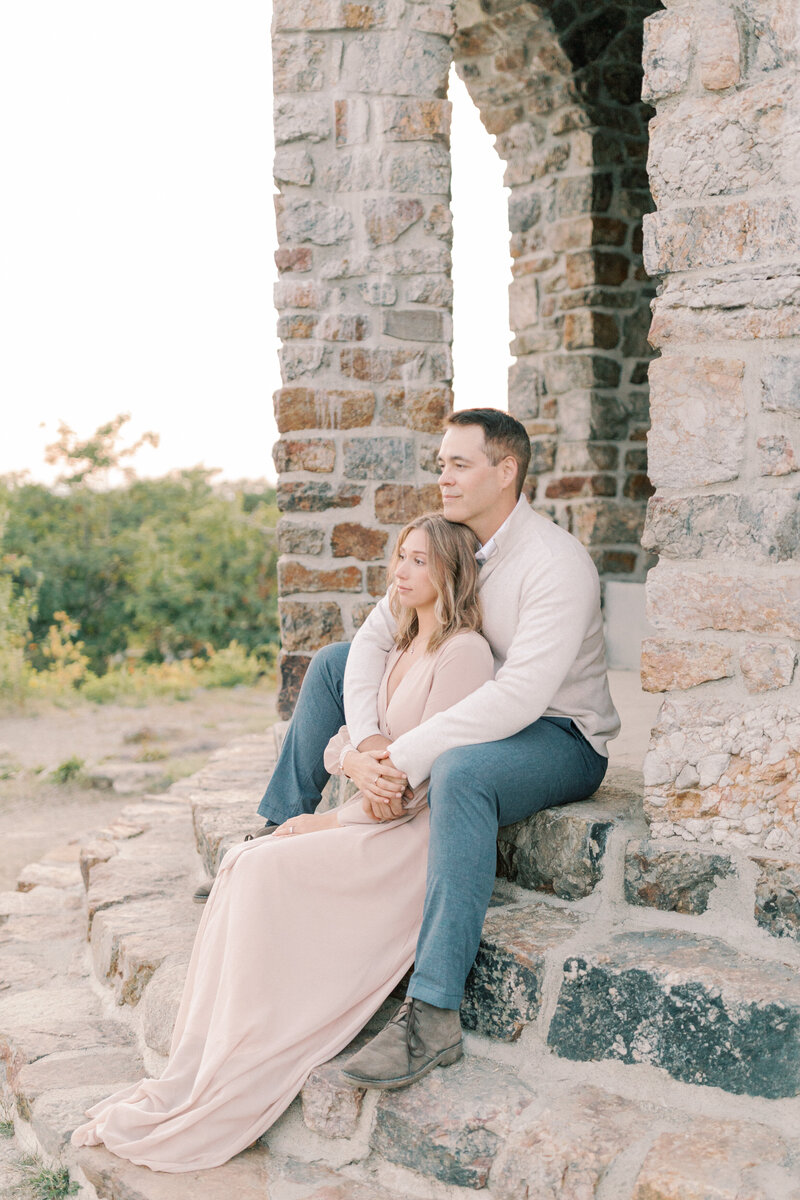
<point>533,737</point>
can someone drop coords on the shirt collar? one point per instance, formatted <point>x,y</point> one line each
<point>488,548</point>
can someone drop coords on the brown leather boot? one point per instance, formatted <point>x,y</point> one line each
<point>418,1038</point>
<point>204,891</point>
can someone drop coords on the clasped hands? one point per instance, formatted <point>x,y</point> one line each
<point>383,787</point>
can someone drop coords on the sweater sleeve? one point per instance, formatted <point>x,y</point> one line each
<point>555,612</point>
<point>340,742</point>
<point>364,671</point>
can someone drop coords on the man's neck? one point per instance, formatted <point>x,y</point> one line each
<point>486,525</point>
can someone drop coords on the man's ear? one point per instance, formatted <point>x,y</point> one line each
<point>509,471</point>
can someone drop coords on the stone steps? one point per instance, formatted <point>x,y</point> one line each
<point>580,1004</point>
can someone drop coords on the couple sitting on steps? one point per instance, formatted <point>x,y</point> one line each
<point>474,695</point>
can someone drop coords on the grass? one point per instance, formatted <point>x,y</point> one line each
<point>68,770</point>
<point>6,1129</point>
<point>47,1183</point>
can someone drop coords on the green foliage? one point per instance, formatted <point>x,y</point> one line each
<point>47,1183</point>
<point>95,579</point>
<point>68,770</point>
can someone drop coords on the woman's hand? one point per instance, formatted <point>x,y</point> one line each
<point>307,823</point>
<point>380,783</point>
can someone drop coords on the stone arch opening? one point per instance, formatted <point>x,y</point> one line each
<point>560,90</point>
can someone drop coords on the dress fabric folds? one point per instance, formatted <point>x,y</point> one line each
<point>302,939</point>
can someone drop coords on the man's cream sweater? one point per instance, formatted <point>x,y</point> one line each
<point>540,596</point>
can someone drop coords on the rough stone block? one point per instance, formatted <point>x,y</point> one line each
<point>760,526</point>
<point>292,669</point>
<point>298,64</point>
<point>109,1067</point>
<point>569,487</point>
<point>309,625</point>
<point>295,577</point>
<point>564,1151</point>
<point>123,879</point>
<point>431,19</point>
<point>295,537</point>
<point>763,231</point>
<point>343,327</point>
<point>251,1175</point>
<point>691,1005</point>
<point>451,1124</point>
<point>317,497</point>
<point>376,291</point>
<point>387,218</point>
<point>307,119</point>
<point>718,51</point>
<point>131,941</point>
<point>559,850</point>
<point>378,366</point>
<point>414,64</point>
<point>777,904</point>
<point>317,454</point>
<point>161,1001</point>
<point>753,126</point>
<point>376,580</point>
<point>776,455</point>
<point>328,14</point>
<point>598,521</point>
<point>596,267</point>
<point>293,165</point>
<point>669,664</point>
<point>299,258</point>
<point>667,53</point>
<point>698,410</point>
<point>297,325</point>
<point>672,878</point>
<point>397,503</point>
<point>780,382</point>
<point>767,665</point>
<point>584,329</point>
<point>307,408</point>
<point>351,121</point>
<point>301,362</point>
<point>724,1159</point>
<point>439,222</point>
<point>404,120</point>
<point>430,289</point>
<point>378,458</point>
<point>312,221</point>
<point>351,539</point>
<point>503,992</point>
<point>416,325</point>
<point>423,408</point>
<point>678,599</point>
<point>566,372</point>
<point>423,169</point>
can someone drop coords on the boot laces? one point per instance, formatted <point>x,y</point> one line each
<point>408,1015</point>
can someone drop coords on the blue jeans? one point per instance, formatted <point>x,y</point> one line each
<point>473,790</point>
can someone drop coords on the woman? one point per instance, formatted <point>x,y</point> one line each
<point>287,911</point>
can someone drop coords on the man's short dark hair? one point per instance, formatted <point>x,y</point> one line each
<point>502,434</point>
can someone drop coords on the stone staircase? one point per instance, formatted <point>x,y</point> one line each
<point>633,1015</point>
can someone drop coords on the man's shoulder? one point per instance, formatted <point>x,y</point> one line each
<point>532,535</point>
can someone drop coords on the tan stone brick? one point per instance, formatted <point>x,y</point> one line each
<point>570,486</point>
<point>387,218</point>
<point>292,669</point>
<point>298,64</point>
<point>423,408</point>
<point>680,599</point>
<point>357,541</point>
<point>295,577</point>
<point>291,293</point>
<point>377,366</point>
<point>409,120</point>
<point>584,329</point>
<point>669,664</point>
<point>351,120</point>
<point>317,496</point>
<point>296,326</point>
<point>523,301</point>
<point>767,665</point>
<point>430,19</point>
<point>713,1158</point>
<point>343,327</point>
<point>596,266</point>
<point>376,580</point>
<point>317,454</point>
<point>762,231</point>
<point>667,53</point>
<point>327,14</point>
<point>299,259</point>
<point>397,503</point>
<point>776,455</point>
<point>439,222</point>
<point>698,412</point>
<point>718,52</point>
<point>598,521</point>
<point>309,408</point>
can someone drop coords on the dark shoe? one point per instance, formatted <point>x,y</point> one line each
<point>203,892</point>
<point>418,1038</point>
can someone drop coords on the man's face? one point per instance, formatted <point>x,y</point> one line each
<point>472,489</point>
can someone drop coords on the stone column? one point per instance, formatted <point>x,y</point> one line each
<point>724,447</point>
<point>362,163</point>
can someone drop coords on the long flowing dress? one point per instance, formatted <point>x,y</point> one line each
<point>302,939</point>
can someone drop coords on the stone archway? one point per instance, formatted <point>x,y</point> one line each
<point>365,295</point>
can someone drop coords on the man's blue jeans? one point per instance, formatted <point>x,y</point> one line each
<point>473,790</point>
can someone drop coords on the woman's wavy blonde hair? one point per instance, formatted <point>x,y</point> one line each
<point>453,571</point>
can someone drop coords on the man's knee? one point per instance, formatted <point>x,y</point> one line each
<point>457,780</point>
<point>328,664</point>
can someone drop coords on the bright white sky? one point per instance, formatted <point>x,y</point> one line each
<point>136,263</point>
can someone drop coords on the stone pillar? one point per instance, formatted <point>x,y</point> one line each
<point>364,296</point>
<point>724,447</point>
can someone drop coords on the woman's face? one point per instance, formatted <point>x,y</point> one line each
<point>413,584</point>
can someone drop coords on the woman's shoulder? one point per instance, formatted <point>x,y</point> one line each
<point>467,642</point>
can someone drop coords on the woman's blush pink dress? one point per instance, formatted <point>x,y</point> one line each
<point>301,941</point>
